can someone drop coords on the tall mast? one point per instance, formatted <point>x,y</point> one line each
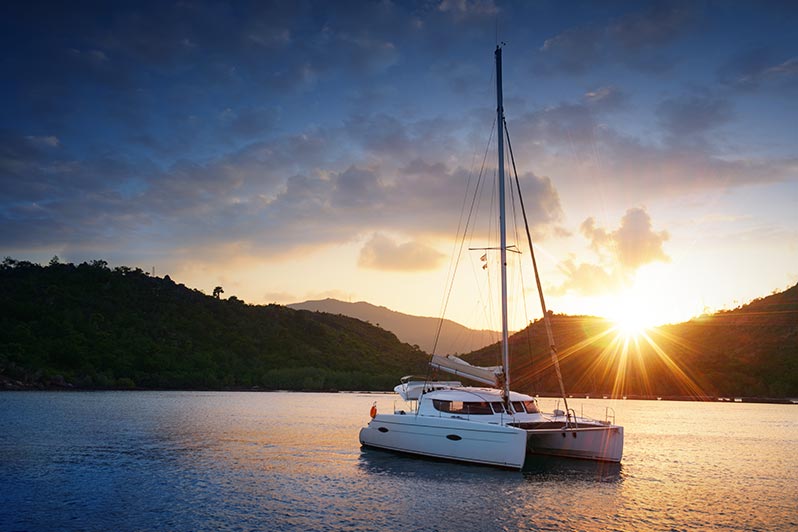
<point>502,224</point>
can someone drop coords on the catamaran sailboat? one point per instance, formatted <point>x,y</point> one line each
<point>490,425</point>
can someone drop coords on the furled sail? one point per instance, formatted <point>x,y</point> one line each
<point>457,366</point>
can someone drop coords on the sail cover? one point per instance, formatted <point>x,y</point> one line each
<point>458,366</point>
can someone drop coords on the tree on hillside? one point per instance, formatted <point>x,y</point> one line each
<point>217,292</point>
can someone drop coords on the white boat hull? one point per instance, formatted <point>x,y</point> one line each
<point>596,442</point>
<point>488,443</point>
<point>448,438</point>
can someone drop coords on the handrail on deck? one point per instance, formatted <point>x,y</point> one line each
<point>568,418</point>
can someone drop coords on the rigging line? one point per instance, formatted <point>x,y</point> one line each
<point>453,255</point>
<point>546,320</point>
<point>453,264</point>
<point>492,237</point>
<point>463,239</point>
<point>517,239</point>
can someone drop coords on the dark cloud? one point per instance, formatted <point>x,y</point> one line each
<point>692,115</point>
<point>250,122</point>
<point>634,39</point>
<point>573,50</point>
<point>468,8</point>
<point>358,188</point>
<point>659,24</point>
<point>151,70</point>
<point>39,169</point>
<point>381,133</point>
<point>561,124</point>
<point>688,154</point>
<point>273,125</point>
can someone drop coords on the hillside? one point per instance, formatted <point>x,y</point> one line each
<point>93,327</point>
<point>414,330</point>
<point>751,351</point>
<point>90,326</point>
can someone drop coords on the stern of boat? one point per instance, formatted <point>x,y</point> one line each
<point>599,442</point>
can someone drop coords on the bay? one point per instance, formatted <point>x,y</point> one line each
<point>188,461</point>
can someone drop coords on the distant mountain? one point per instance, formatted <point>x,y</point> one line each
<point>414,330</point>
<point>751,351</point>
<point>94,327</point>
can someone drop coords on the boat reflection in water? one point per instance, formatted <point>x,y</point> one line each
<point>536,468</point>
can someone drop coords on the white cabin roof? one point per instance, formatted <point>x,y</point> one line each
<point>469,394</point>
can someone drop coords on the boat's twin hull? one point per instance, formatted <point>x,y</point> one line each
<point>603,443</point>
<point>490,444</point>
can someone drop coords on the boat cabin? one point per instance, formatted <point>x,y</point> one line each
<point>478,404</point>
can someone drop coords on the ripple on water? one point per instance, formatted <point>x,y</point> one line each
<point>240,461</point>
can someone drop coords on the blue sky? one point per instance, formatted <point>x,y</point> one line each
<point>297,150</point>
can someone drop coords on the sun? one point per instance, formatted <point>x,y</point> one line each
<point>632,313</point>
<point>629,323</point>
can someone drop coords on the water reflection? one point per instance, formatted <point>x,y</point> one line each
<point>383,463</point>
<point>536,468</point>
<point>548,467</point>
<point>187,461</point>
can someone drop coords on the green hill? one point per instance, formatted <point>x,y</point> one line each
<point>94,327</point>
<point>751,351</point>
<point>90,326</point>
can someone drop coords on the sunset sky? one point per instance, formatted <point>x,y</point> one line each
<point>301,150</point>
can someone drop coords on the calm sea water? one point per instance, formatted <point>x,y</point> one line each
<point>125,461</point>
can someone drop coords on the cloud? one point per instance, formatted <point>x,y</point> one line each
<point>278,194</point>
<point>607,98</point>
<point>294,124</point>
<point>759,67</point>
<point>692,115</point>
<point>561,124</point>
<point>50,141</point>
<point>248,122</point>
<point>634,39</point>
<point>383,253</point>
<point>573,50</point>
<point>586,279</point>
<point>633,244</point>
<point>469,8</point>
<point>659,24</point>
<point>581,142</point>
<point>621,253</point>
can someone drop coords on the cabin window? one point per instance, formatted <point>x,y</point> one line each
<point>525,406</point>
<point>531,407</point>
<point>463,407</point>
<point>498,408</point>
<point>442,406</point>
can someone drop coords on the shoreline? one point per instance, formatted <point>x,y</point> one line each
<point>10,385</point>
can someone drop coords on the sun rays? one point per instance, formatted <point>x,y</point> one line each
<point>634,355</point>
<point>622,359</point>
